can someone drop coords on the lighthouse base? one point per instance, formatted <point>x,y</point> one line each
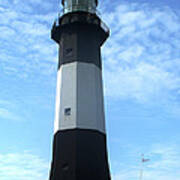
<point>79,155</point>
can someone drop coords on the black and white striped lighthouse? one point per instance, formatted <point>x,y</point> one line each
<point>79,147</point>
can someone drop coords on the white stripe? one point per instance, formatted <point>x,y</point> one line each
<point>80,94</point>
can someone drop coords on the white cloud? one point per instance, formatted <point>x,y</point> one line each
<point>143,82</point>
<point>7,33</point>
<point>6,114</point>
<point>30,28</point>
<point>25,44</point>
<point>7,111</point>
<point>142,54</point>
<point>23,166</point>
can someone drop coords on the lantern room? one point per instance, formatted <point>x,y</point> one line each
<point>79,5</point>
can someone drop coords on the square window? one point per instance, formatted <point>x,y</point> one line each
<point>68,51</point>
<point>67,111</point>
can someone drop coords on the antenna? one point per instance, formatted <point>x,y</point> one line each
<point>143,160</point>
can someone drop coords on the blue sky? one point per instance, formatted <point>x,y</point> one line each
<point>141,62</point>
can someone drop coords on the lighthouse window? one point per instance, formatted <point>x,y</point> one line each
<point>68,52</point>
<point>67,111</point>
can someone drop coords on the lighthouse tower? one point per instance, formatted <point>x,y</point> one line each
<point>79,147</point>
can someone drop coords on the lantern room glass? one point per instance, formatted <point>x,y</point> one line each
<point>80,5</point>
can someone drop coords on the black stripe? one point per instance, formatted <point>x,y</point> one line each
<point>79,43</point>
<point>79,155</point>
<point>80,36</point>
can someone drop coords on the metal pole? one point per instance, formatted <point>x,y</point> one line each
<point>142,168</point>
<point>143,160</point>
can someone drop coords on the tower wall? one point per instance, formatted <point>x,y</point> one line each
<point>79,147</point>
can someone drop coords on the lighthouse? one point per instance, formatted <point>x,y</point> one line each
<point>79,145</point>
